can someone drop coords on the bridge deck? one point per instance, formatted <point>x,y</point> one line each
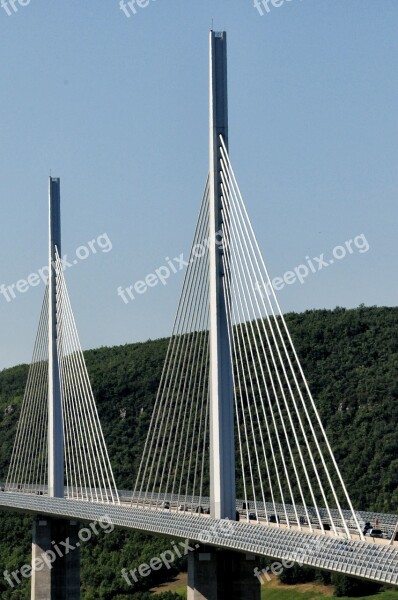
<point>376,562</point>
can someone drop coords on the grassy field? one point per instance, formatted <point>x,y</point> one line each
<point>179,586</point>
<point>276,591</point>
<point>312,592</point>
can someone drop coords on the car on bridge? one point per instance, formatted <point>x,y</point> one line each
<point>375,533</point>
<point>274,519</point>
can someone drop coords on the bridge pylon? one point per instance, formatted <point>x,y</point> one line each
<point>58,579</point>
<point>55,425</point>
<point>232,371</point>
<point>59,450</point>
<point>222,443</point>
<point>215,574</point>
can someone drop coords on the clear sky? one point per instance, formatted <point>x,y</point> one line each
<point>117,107</point>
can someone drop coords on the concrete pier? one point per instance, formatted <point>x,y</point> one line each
<point>221,575</point>
<point>55,560</point>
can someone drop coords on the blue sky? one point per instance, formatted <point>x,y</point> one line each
<point>117,107</point>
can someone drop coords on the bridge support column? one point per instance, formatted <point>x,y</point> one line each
<point>222,575</point>
<point>55,560</point>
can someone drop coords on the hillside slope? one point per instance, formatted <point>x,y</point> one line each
<point>351,360</point>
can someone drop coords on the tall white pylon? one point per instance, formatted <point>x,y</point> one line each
<point>229,321</point>
<point>55,426</point>
<point>222,445</point>
<point>59,447</point>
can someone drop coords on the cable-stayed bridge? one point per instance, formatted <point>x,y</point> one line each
<point>234,418</point>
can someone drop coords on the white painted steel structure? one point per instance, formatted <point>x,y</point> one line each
<point>222,444</point>
<point>55,429</point>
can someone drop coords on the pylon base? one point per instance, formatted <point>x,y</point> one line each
<point>221,575</point>
<point>55,565</point>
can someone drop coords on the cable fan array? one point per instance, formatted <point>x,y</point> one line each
<point>28,466</point>
<point>286,469</point>
<point>87,469</point>
<point>288,472</point>
<point>286,460</point>
<point>176,456</point>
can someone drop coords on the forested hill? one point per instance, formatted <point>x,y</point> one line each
<point>351,361</point>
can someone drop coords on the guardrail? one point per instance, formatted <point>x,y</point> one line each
<point>387,523</point>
